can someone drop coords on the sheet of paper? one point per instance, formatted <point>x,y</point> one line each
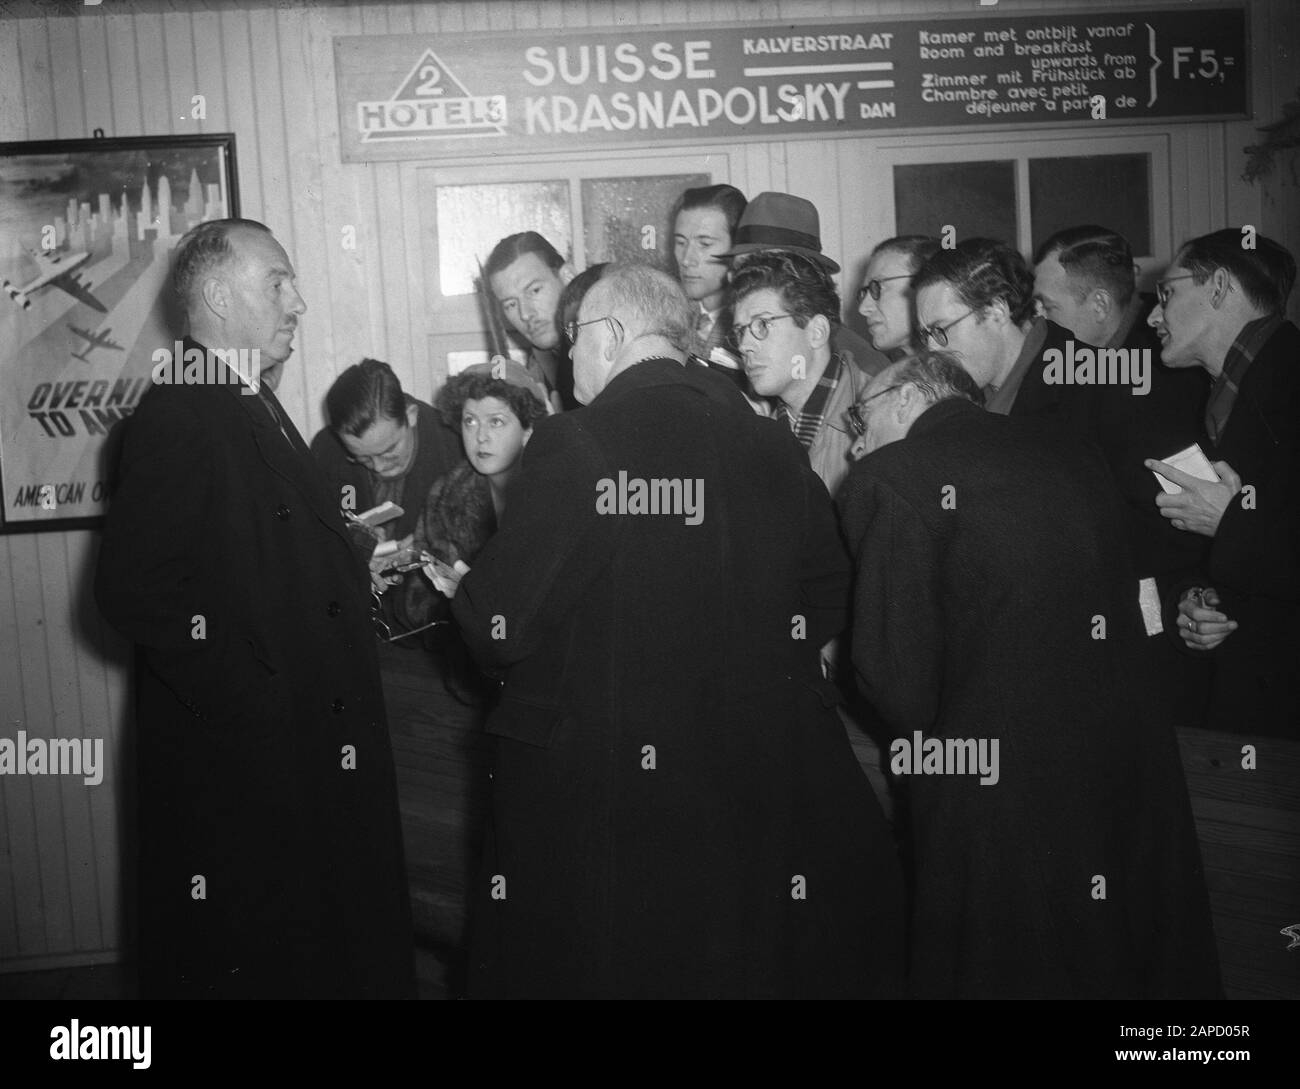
<point>1149,602</point>
<point>1190,461</point>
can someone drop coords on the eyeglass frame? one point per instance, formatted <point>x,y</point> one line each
<point>857,419</point>
<point>763,321</point>
<point>381,629</point>
<point>1162,291</point>
<point>571,327</point>
<point>939,333</point>
<point>865,289</point>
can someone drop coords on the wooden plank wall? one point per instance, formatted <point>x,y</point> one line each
<point>266,70</point>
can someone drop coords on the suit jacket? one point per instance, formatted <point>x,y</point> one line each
<point>270,847</point>
<point>1254,559</point>
<point>676,811</point>
<point>976,610</point>
<point>718,336</point>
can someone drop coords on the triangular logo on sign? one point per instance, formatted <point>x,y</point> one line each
<point>429,78</point>
<point>432,102</point>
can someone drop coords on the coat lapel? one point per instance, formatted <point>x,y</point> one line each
<point>291,460</point>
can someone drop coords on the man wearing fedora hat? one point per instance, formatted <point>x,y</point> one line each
<point>783,222</point>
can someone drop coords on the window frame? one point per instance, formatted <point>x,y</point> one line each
<point>1020,148</point>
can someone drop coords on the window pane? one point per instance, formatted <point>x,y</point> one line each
<point>474,218</point>
<point>1109,190</point>
<point>978,199</point>
<point>626,219</point>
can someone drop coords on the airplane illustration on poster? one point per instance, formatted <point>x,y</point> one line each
<point>55,270</point>
<point>93,341</point>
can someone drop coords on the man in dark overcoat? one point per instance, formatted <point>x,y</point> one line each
<point>995,632</point>
<point>676,810</point>
<point>1222,308</point>
<point>270,849</point>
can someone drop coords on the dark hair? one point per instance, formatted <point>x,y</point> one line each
<point>917,248</point>
<point>203,248</point>
<point>363,393</point>
<point>1266,273</point>
<point>474,387</point>
<point>806,288</point>
<point>981,271</point>
<point>566,310</point>
<point>506,252</point>
<point>938,376</point>
<point>1094,258</point>
<point>727,199</point>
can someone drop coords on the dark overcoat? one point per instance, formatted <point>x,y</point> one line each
<point>987,550</point>
<point>1128,428</point>
<point>676,811</point>
<point>265,768</point>
<point>1254,557</point>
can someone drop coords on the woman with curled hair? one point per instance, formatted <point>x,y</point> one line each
<point>495,406</point>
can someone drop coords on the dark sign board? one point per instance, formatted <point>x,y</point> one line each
<point>414,96</point>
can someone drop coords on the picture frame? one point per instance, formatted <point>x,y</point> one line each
<point>87,228</point>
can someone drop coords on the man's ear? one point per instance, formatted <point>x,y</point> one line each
<point>566,272</point>
<point>412,414</point>
<point>1222,285</point>
<point>997,312</point>
<point>613,340</point>
<point>1102,303</point>
<point>818,330</point>
<point>216,296</point>
<point>904,403</point>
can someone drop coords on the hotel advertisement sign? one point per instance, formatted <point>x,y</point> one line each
<point>413,96</point>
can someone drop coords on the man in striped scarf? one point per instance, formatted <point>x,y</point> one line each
<point>785,311</point>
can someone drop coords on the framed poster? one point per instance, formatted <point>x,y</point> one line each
<point>87,228</point>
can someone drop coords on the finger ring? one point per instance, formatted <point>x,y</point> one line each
<point>1191,625</point>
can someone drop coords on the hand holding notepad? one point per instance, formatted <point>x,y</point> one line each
<point>1190,461</point>
<point>1197,492</point>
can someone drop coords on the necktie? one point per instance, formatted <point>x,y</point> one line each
<point>268,399</point>
<point>703,327</point>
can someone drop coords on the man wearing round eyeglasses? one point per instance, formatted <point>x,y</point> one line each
<point>783,223</point>
<point>976,301</point>
<point>785,309</point>
<point>974,585</point>
<point>885,297</point>
<point>1222,307</point>
<point>382,445</point>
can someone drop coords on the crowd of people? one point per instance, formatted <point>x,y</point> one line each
<point>1031,524</point>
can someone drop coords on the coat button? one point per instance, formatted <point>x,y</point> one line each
<point>338,706</point>
<point>333,608</point>
<point>282,512</point>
